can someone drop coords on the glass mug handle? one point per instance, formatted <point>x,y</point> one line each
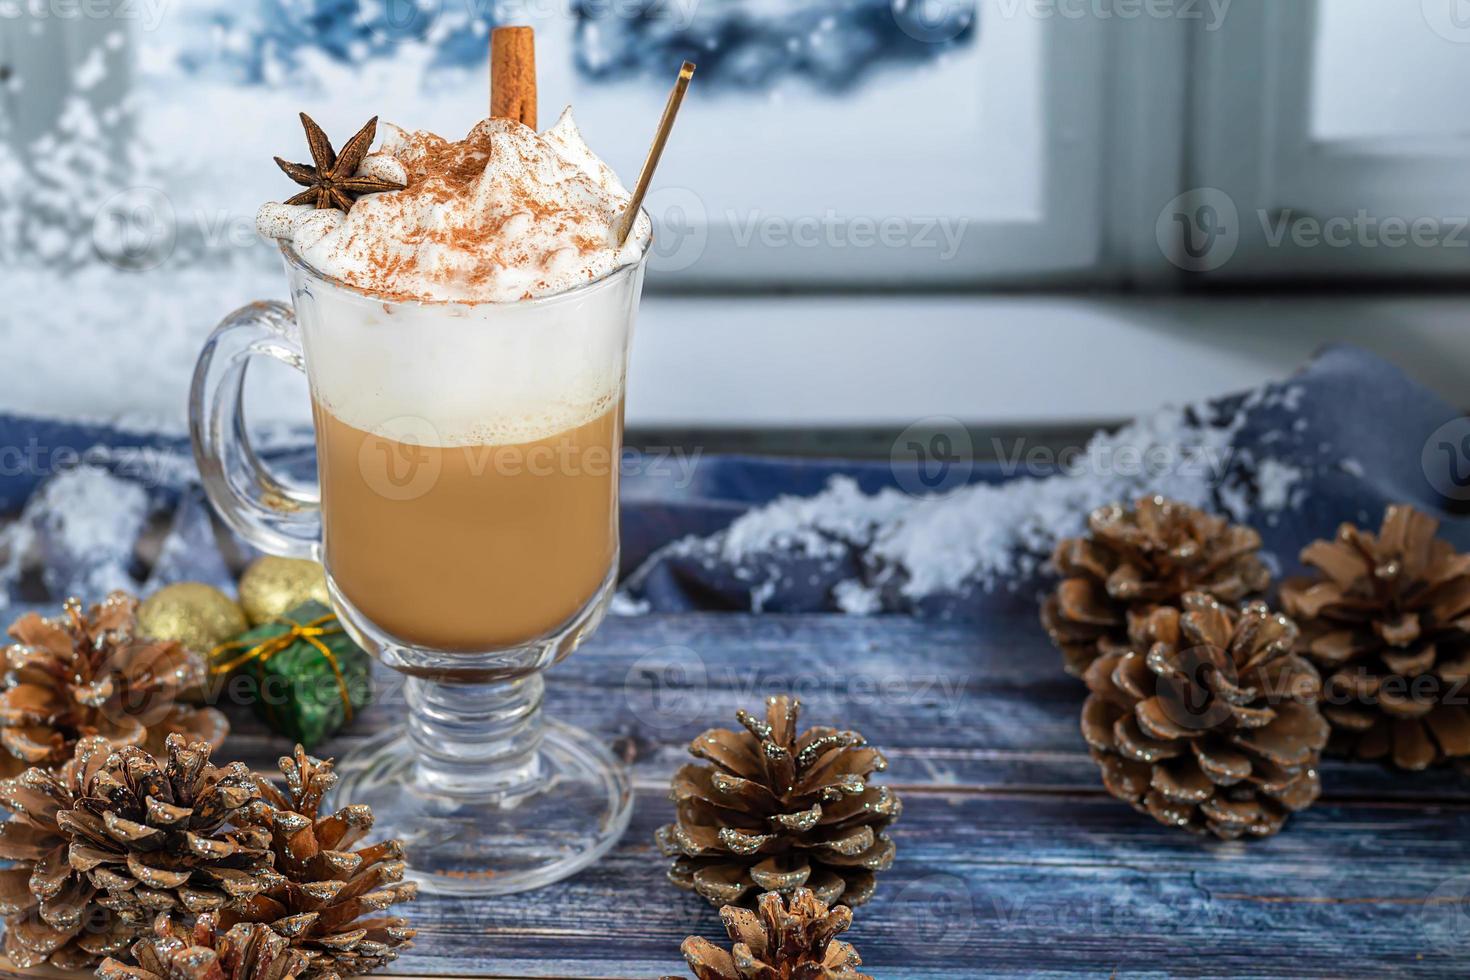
<point>275,517</point>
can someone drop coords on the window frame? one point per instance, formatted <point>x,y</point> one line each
<point>1251,138</point>
<point>1066,247</point>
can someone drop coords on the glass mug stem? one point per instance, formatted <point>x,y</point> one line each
<point>470,583</point>
<point>477,739</point>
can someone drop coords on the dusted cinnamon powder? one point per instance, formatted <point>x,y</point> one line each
<point>503,214</point>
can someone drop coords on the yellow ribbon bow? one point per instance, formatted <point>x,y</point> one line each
<point>310,632</point>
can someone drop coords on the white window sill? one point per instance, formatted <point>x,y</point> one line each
<point>1015,360</point>
<point>100,345</point>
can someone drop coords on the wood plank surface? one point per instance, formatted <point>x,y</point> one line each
<point>1011,860</point>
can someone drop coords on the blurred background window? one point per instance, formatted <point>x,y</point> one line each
<point>981,163</point>
<point>1334,128</point>
<point>837,142</point>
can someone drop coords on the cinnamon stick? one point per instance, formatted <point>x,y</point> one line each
<point>513,74</point>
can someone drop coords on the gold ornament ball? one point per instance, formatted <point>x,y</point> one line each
<point>272,587</point>
<point>197,615</point>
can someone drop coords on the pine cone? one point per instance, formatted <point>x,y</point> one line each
<point>88,674</point>
<point>1388,621</point>
<point>323,894</point>
<point>1210,723</point>
<point>1137,559</point>
<point>51,910</point>
<point>795,942</point>
<point>246,952</point>
<point>159,837</point>
<point>777,812</point>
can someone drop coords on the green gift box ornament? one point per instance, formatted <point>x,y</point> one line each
<point>301,672</point>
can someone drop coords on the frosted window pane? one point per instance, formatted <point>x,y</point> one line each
<point>1390,70</point>
<point>799,109</point>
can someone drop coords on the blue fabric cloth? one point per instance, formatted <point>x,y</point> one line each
<point>1353,426</point>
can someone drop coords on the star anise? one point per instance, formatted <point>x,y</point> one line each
<point>333,182</point>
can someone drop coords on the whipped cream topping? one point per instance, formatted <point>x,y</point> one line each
<point>505,214</point>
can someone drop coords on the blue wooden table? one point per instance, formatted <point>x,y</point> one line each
<point>1012,860</point>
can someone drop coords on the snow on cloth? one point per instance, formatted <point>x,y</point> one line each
<point>90,507</point>
<point>1334,443</point>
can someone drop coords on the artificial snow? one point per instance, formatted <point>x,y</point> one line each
<point>80,530</point>
<point>855,598</point>
<point>623,604</point>
<point>998,535</point>
<point>1275,481</point>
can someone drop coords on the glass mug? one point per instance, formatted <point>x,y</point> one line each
<point>467,516</point>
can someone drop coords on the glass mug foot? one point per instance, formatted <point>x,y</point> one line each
<point>570,815</point>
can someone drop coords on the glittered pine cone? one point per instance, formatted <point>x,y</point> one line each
<point>52,913</point>
<point>1135,559</point>
<point>779,941</point>
<point>165,835</point>
<point>203,952</point>
<point>1388,622</point>
<point>87,673</point>
<point>326,892</point>
<point>1209,722</point>
<point>775,811</point>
